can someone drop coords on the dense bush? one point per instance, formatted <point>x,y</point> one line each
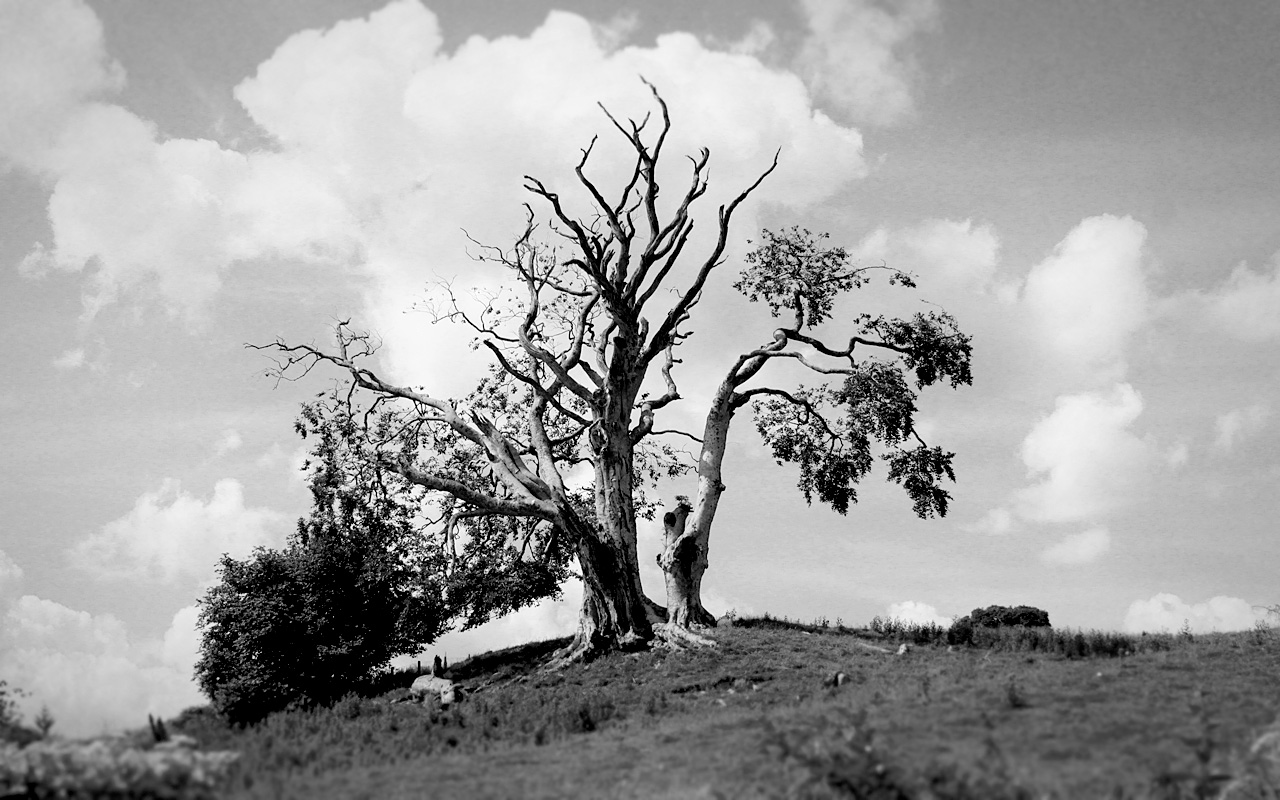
<point>1001,616</point>
<point>11,728</point>
<point>111,770</point>
<point>961,631</point>
<point>364,579</point>
<point>299,626</point>
<point>965,630</point>
<point>902,630</point>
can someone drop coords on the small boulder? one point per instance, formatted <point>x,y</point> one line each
<point>178,741</point>
<point>431,686</point>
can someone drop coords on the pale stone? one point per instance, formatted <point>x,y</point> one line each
<point>428,685</point>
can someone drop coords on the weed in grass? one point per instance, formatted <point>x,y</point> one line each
<point>1013,694</point>
<point>835,756</point>
<point>1257,771</point>
<point>1202,781</point>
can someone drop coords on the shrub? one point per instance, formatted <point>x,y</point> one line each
<point>301,626</point>
<point>836,755</point>
<point>11,728</point>
<point>1002,616</point>
<point>100,769</point>
<point>961,631</point>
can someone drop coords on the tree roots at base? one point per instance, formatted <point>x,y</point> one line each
<point>586,648</point>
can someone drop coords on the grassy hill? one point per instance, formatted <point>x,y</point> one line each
<point>1019,713</point>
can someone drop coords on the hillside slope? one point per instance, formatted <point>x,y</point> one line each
<point>753,718</point>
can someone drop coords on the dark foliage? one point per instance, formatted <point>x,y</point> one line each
<point>831,432</point>
<point>836,752</point>
<point>961,631</point>
<point>11,728</point>
<point>299,626</point>
<point>998,616</point>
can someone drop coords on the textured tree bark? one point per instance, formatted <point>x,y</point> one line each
<point>683,561</point>
<point>614,612</point>
<point>687,531</point>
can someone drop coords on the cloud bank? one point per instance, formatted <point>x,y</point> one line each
<point>427,143</point>
<point>1079,548</point>
<point>856,56</point>
<point>1168,612</point>
<point>1087,460</point>
<point>172,536</point>
<point>917,612</point>
<point>1247,305</point>
<point>93,676</point>
<point>1090,295</point>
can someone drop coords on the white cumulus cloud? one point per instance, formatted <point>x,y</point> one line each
<point>386,146</point>
<point>89,672</point>
<point>1247,305</point>
<point>71,359</point>
<point>446,138</point>
<point>229,441</point>
<point>53,60</point>
<point>917,612</point>
<point>1168,612</point>
<point>954,253</point>
<point>171,535</point>
<point>998,521</point>
<point>10,574</point>
<point>1087,460</point>
<point>1079,548</point>
<point>1238,422</point>
<point>1090,295</point>
<point>856,55</point>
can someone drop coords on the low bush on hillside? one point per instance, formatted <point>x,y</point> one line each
<point>111,771</point>
<point>1002,616</point>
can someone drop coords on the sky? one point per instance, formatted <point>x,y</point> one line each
<point>1089,187</point>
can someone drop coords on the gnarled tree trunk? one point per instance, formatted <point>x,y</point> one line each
<point>683,561</point>
<point>688,530</point>
<point>614,615</point>
<point>615,612</point>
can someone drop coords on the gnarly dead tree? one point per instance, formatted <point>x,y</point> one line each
<point>572,354</point>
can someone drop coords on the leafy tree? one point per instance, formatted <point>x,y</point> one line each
<point>11,727</point>
<point>829,431</point>
<point>584,361</point>
<point>44,722</point>
<point>304,624</point>
<point>9,712</point>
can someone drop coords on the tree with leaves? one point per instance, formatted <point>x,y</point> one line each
<point>353,588</point>
<point>828,431</point>
<point>583,364</point>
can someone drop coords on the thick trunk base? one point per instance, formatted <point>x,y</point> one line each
<point>615,615</point>
<point>683,561</point>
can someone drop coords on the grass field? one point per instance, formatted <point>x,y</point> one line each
<point>1017,714</point>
